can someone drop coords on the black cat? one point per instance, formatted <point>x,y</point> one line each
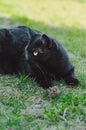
<point>29,51</point>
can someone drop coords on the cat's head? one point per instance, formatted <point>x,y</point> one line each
<point>42,47</point>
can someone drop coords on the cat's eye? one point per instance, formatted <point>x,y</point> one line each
<point>35,53</point>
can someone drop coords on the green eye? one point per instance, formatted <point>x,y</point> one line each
<point>35,53</point>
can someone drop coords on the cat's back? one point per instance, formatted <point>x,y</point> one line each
<point>20,35</point>
<point>23,34</point>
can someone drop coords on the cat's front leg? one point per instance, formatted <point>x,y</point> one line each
<point>70,78</point>
<point>41,75</point>
<point>42,78</point>
<point>44,83</point>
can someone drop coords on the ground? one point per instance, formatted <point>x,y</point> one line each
<point>23,103</point>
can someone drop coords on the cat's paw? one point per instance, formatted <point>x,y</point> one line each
<point>72,81</point>
<point>53,91</point>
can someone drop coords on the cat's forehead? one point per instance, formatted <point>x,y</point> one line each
<point>37,42</point>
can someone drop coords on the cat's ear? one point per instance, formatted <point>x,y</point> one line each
<point>46,40</point>
<point>5,35</point>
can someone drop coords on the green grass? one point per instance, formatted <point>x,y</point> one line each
<point>23,104</point>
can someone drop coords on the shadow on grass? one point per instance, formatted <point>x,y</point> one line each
<point>73,38</point>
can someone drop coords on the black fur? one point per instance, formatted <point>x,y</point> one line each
<point>29,51</point>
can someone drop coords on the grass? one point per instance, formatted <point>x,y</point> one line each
<point>23,104</point>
